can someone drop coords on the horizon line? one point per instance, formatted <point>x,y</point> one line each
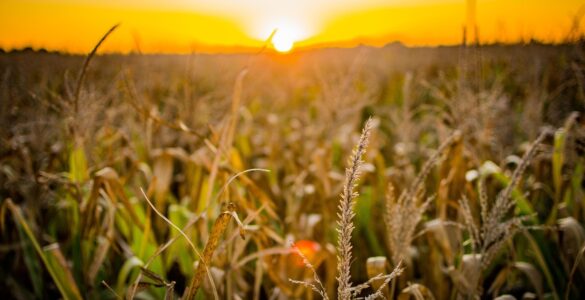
<point>237,49</point>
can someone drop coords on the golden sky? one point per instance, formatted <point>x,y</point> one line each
<point>227,25</point>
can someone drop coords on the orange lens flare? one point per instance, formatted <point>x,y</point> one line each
<point>308,248</point>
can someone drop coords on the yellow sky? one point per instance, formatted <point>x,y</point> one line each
<point>219,25</point>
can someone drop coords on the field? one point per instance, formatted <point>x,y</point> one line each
<point>233,176</point>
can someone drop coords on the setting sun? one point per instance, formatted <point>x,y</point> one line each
<point>282,42</point>
<point>243,26</point>
<point>284,32</point>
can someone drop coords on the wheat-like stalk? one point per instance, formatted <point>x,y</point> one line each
<point>356,290</point>
<point>404,213</point>
<point>316,285</point>
<point>495,227</point>
<point>494,230</point>
<point>345,224</point>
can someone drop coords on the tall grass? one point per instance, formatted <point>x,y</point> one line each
<point>200,139</point>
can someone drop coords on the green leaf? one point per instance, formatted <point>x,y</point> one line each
<point>523,206</point>
<point>78,165</point>
<point>133,263</point>
<point>558,160</point>
<point>31,262</point>
<point>57,269</point>
<point>179,251</point>
<point>61,272</point>
<point>541,259</point>
<point>576,187</point>
<point>365,220</point>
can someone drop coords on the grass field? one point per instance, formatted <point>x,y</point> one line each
<point>204,176</point>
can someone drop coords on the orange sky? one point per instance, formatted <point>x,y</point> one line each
<point>224,25</point>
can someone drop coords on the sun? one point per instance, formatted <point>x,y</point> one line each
<point>283,41</point>
<point>283,33</point>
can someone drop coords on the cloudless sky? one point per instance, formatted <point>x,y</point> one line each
<point>187,25</point>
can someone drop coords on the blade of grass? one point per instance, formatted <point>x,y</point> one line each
<point>573,270</point>
<point>202,265</point>
<point>68,288</point>
<point>542,263</point>
<point>225,140</point>
<point>58,263</point>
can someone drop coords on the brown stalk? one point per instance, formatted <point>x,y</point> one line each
<point>81,76</point>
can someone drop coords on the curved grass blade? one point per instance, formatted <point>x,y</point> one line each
<point>54,262</point>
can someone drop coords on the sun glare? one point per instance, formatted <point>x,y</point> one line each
<point>289,31</point>
<point>282,42</point>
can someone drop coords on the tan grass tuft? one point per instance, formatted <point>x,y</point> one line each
<point>495,226</point>
<point>403,214</point>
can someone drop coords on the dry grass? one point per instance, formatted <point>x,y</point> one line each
<point>345,227</point>
<point>193,130</point>
<point>346,214</point>
<point>402,215</point>
<point>495,228</point>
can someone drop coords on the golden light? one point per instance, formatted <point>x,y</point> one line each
<point>237,25</point>
<point>289,31</point>
<point>282,42</point>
